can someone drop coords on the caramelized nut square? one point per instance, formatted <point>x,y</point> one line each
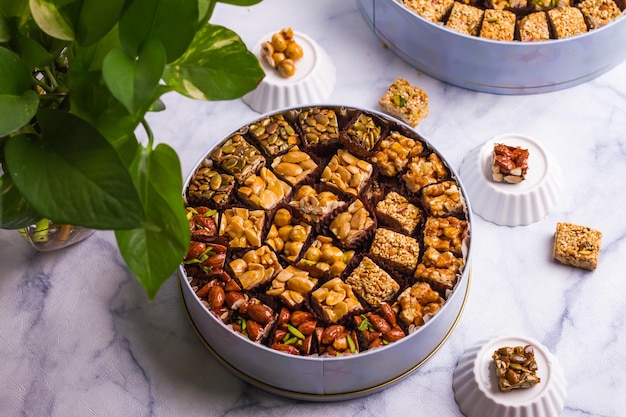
<point>577,245</point>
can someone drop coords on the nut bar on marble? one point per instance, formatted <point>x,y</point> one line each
<point>395,212</point>
<point>445,234</point>
<point>287,235</point>
<point>393,248</point>
<point>465,19</point>
<point>334,300</point>
<point>567,21</point>
<point>439,269</point>
<point>424,170</point>
<point>372,283</point>
<point>295,166</point>
<point>352,225</point>
<point>394,152</point>
<point>274,134</point>
<point>417,304</point>
<point>292,285</point>
<point>322,257</point>
<point>509,163</point>
<point>313,206</point>
<point>362,134</point>
<point>242,227</point>
<point>203,223</point>
<point>263,190</point>
<point>515,367</point>
<point>238,157</point>
<point>347,173</point>
<point>256,267</point>
<point>405,102</point>
<point>443,199</point>
<point>435,11</point>
<point>209,187</point>
<point>533,27</point>
<point>498,25</point>
<point>598,13</point>
<point>320,128</point>
<point>577,245</point>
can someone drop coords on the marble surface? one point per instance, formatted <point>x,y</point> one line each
<point>79,338</point>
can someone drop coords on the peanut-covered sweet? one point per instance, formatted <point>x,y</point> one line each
<point>417,304</point>
<point>294,166</point>
<point>292,285</point>
<point>445,234</point>
<point>335,299</point>
<point>347,173</point>
<point>323,257</point>
<point>422,171</point>
<point>442,199</point>
<point>242,227</point>
<point>349,226</point>
<point>255,267</point>
<point>314,206</point>
<point>394,153</point>
<point>263,190</point>
<point>287,235</point>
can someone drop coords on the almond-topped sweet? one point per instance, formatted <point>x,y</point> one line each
<point>325,231</point>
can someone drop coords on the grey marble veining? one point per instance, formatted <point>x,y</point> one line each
<point>79,338</point>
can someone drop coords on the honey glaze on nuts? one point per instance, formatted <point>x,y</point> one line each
<point>314,250</point>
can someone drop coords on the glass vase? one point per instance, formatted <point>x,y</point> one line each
<point>46,235</point>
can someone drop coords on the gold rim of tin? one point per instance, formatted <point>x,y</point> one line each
<point>325,397</point>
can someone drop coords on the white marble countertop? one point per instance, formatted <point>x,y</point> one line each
<point>78,336</point>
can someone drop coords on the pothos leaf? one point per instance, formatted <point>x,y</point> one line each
<point>72,174</point>
<point>156,247</point>
<point>15,212</point>
<point>217,66</point>
<point>18,103</point>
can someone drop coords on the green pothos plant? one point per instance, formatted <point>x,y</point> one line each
<point>77,78</point>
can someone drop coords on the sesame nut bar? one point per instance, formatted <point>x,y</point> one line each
<point>396,212</point>
<point>372,283</point>
<point>238,157</point>
<point>533,27</point>
<point>598,13</point>
<point>394,152</point>
<point>400,251</point>
<point>442,199</point>
<point>567,21</point>
<point>465,19</point>
<point>498,25</point>
<point>274,134</point>
<point>515,367</point>
<point>577,245</point>
<point>509,163</point>
<point>405,102</point>
<point>435,11</point>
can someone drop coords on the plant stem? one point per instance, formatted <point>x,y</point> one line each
<point>43,85</point>
<point>148,130</point>
<point>53,82</point>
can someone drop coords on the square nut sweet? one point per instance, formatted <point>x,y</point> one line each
<point>400,251</point>
<point>577,245</point>
<point>516,367</point>
<point>335,299</point>
<point>405,102</point>
<point>372,283</point>
<point>509,163</point>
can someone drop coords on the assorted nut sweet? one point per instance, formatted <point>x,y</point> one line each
<point>282,52</point>
<point>577,245</point>
<point>318,250</point>
<point>515,367</point>
<point>520,20</point>
<point>509,163</point>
